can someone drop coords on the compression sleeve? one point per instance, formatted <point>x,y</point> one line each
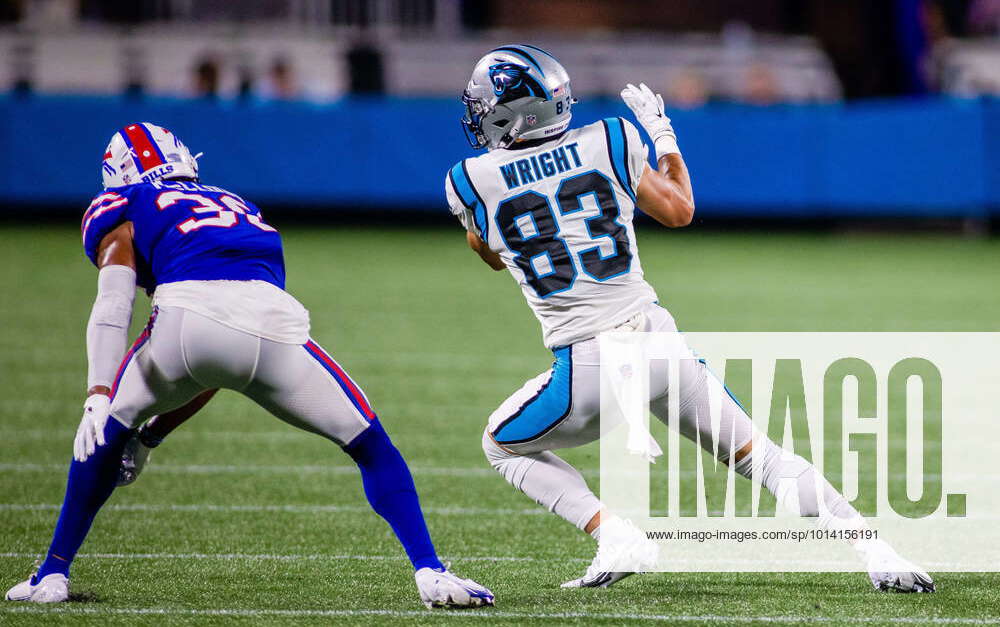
<point>107,329</point>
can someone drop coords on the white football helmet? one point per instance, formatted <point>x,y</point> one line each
<point>144,152</point>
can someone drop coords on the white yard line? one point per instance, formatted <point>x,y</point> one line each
<point>291,509</point>
<point>277,557</point>
<point>250,469</point>
<point>66,431</point>
<point>487,614</point>
<point>185,435</point>
<point>787,565</point>
<point>439,471</point>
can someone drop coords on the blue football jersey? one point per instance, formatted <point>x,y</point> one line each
<point>187,231</point>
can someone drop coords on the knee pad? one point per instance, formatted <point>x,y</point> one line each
<point>506,463</point>
<point>547,479</point>
<point>494,454</point>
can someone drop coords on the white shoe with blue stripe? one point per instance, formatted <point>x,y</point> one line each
<point>442,588</point>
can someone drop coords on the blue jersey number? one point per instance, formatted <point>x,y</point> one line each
<point>222,216</point>
<point>530,230</point>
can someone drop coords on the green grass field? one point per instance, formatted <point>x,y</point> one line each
<point>242,518</point>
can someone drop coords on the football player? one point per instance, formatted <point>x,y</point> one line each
<point>221,319</point>
<point>554,206</point>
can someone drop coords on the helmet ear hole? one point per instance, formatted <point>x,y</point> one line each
<point>501,123</point>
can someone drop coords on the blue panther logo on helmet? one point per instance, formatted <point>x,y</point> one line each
<point>512,81</point>
<point>506,76</point>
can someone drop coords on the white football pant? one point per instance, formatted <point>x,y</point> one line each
<point>182,353</point>
<point>560,408</point>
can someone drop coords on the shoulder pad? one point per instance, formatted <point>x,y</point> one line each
<point>105,213</point>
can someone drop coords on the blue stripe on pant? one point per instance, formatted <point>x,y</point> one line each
<point>546,409</point>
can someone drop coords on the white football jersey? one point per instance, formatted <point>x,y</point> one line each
<point>559,214</point>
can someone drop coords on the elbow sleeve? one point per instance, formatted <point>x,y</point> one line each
<point>107,329</point>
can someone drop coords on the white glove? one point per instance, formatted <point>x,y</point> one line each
<point>90,434</point>
<point>648,109</point>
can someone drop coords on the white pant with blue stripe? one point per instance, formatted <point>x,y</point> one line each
<point>560,408</point>
<point>182,353</point>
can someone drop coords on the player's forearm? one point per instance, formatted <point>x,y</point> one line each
<point>107,328</point>
<point>490,257</point>
<point>675,170</point>
<point>493,260</point>
<point>666,194</point>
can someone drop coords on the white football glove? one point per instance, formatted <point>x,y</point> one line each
<point>648,109</point>
<point>90,434</point>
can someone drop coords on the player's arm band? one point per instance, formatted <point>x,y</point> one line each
<point>107,329</point>
<point>665,143</point>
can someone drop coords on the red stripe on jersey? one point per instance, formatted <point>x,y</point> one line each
<point>97,202</point>
<point>100,200</point>
<point>96,212</point>
<point>144,149</point>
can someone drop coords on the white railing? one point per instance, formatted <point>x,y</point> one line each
<point>93,58</point>
<point>968,68</point>
<point>439,16</point>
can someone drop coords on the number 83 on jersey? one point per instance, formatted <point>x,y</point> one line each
<point>588,219</point>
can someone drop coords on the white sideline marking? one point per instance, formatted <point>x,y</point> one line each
<point>833,566</point>
<point>185,435</point>
<point>279,557</point>
<point>292,509</point>
<point>434,471</point>
<point>213,469</point>
<point>487,614</point>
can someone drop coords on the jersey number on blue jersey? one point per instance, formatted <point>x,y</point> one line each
<point>531,231</point>
<point>224,217</point>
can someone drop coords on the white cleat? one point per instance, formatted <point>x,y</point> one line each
<point>595,578</point>
<point>52,588</point>
<point>134,458</point>
<point>445,589</point>
<point>889,572</point>
<point>623,550</point>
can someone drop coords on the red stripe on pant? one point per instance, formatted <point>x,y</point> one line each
<point>136,345</point>
<point>345,381</point>
<point>139,341</point>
